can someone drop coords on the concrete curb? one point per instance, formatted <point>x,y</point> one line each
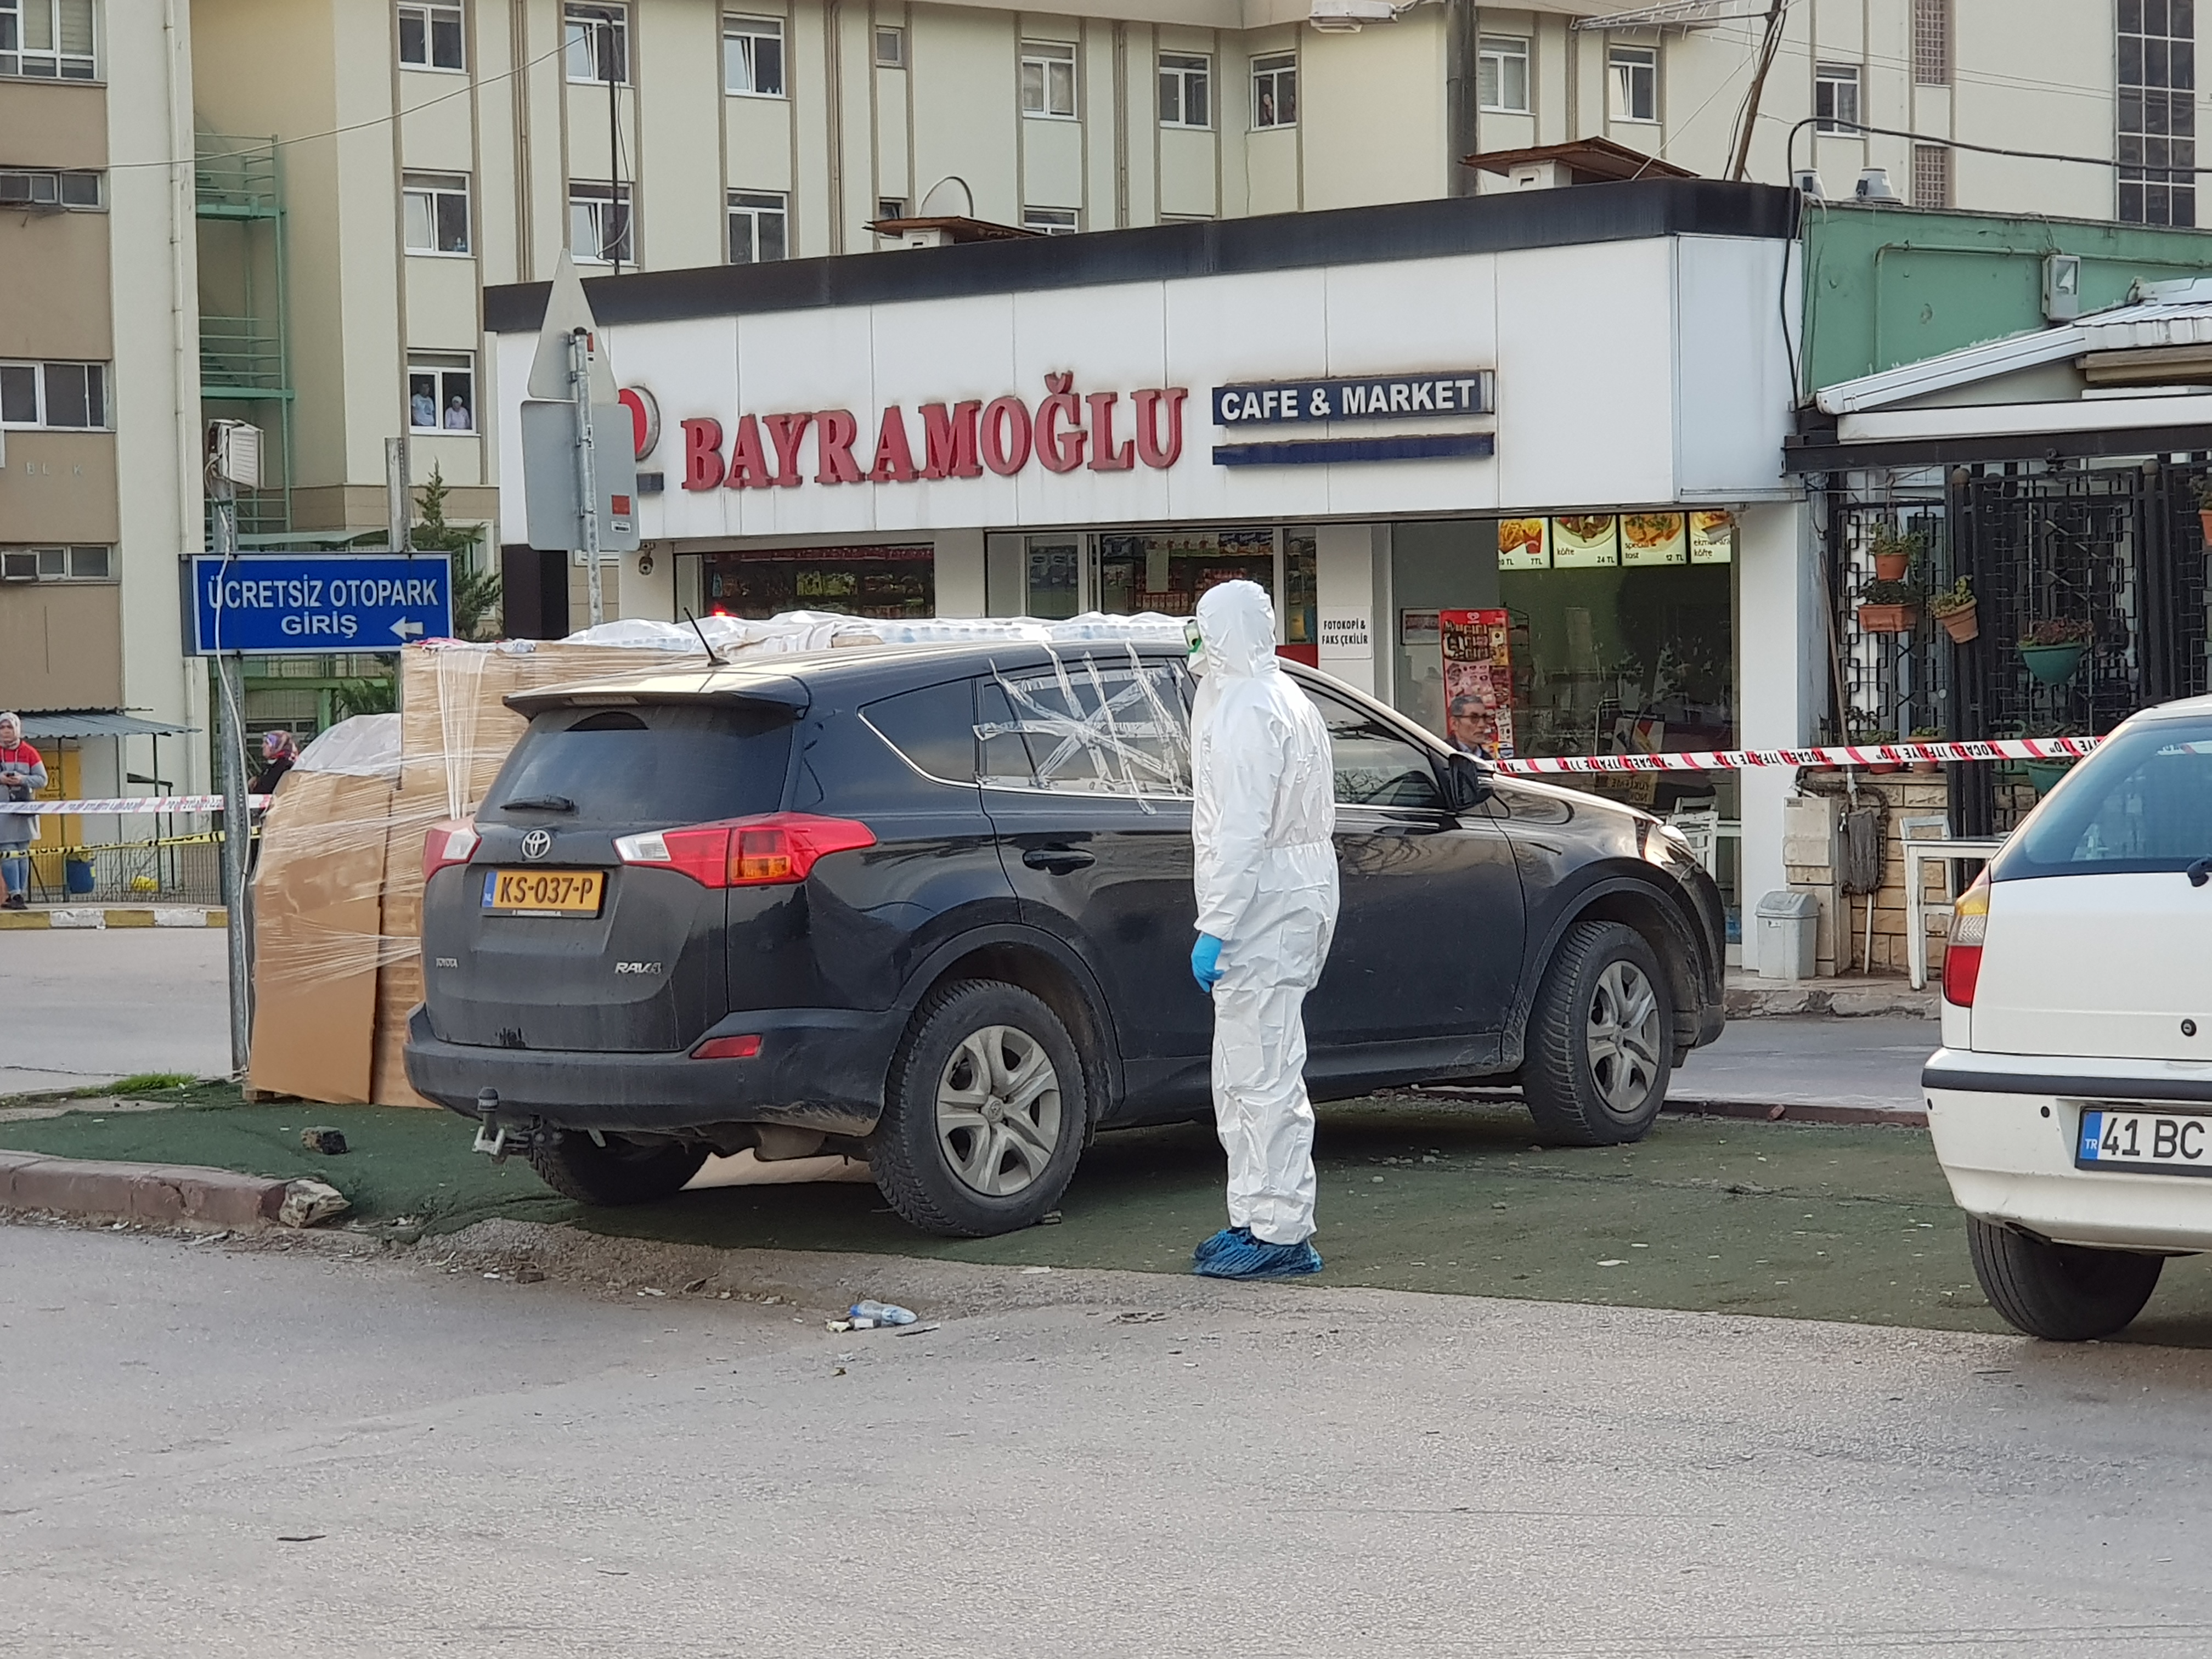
<point>115,915</point>
<point>161,1194</point>
<point>1841,999</point>
<point>1894,1117</point>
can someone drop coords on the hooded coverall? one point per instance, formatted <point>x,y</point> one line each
<point>1266,874</point>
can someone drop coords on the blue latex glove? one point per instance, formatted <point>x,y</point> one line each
<point>1206,961</point>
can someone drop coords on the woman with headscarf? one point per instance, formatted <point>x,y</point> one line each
<point>278,751</point>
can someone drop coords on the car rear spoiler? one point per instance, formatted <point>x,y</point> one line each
<point>775,691</point>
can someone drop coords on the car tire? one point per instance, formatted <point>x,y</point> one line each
<point>621,1171</point>
<point>1601,1039</point>
<point>2060,1292</point>
<point>951,1154</point>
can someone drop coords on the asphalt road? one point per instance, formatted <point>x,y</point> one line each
<point>93,1005</point>
<point>219,1453</point>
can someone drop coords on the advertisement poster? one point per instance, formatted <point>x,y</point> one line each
<point>1585,541</point>
<point>1713,538</point>
<point>1478,681</point>
<point>1524,543</point>
<point>1654,538</point>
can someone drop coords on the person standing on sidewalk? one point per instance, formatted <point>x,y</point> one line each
<point>1262,813</point>
<point>22,774</point>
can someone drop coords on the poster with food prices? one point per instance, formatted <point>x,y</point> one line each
<point>1713,538</point>
<point>1478,681</point>
<point>1585,541</point>
<point>1654,538</point>
<point>1525,544</point>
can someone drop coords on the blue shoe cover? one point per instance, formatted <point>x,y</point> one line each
<point>1251,1258</point>
<point>1219,1242</point>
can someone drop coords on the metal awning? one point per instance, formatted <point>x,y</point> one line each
<point>97,723</point>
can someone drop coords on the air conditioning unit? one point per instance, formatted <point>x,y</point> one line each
<point>1348,16</point>
<point>234,454</point>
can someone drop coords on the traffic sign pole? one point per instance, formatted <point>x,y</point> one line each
<point>587,489</point>
<point>237,828</point>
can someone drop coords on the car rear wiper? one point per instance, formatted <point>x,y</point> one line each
<point>540,803</point>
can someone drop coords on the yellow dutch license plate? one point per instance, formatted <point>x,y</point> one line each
<point>544,892</point>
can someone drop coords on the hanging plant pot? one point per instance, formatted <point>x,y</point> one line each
<point>1891,566</point>
<point>1888,618</point>
<point>2053,665</point>
<point>2043,774</point>
<point>1963,626</point>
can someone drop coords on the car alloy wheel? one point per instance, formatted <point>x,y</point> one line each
<point>999,1110</point>
<point>1623,1037</point>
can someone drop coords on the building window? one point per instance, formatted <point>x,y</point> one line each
<point>1931,175</point>
<point>599,42</point>
<point>1049,80</point>
<point>1501,74</point>
<point>890,207</point>
<point>441,393</point>
<point>63,397</point>
<point>1836,98</point>
<point>1186,90</point>
<point>1632,84</point>
<point>1931,42</point>
<point>760,226</point>
<point>430,37</point>
<point>752,57</point>
<point>890,48</point>
<point>1053,222</point>
<point>437,209</point>
<point>47,39</point>
<point>2158,112</point>
<point>36,188</point>
<point>1275,90</point>
<point>598,222</point>
<point>49,564</point>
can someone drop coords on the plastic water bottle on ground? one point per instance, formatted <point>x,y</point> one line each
<point>879,1313</point>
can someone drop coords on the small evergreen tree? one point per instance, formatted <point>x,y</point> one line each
<point>476,593</point>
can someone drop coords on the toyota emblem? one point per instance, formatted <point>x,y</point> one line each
<point>537,844</point>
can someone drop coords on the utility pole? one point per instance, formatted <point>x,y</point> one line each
<point>1741,165</point>
<point>587,492</point>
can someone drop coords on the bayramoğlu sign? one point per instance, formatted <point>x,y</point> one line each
<point>1066,430</point>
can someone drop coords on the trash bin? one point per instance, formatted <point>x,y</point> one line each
<point>1789,935</point>
<point>78,876</point>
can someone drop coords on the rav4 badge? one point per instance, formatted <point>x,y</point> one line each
<point>637,967</point>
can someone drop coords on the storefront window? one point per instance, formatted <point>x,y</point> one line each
<point>1298,606</point>
<point>1167,571</point>
<point>1053,584</point>
<point>856,581</point>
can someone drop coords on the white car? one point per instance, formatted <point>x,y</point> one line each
<point>2071,1101</point>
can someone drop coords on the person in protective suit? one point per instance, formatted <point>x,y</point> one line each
<point>1265,869</point>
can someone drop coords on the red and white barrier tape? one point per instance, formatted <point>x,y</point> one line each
<point>1863,754</point>
<point>127,806</point>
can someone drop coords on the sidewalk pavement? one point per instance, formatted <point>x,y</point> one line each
<point>1870,1065</point>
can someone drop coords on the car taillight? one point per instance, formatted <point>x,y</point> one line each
<point>730,1048</point>
<point>1962,956</point>
<point>452,840</point>
<point>775,849</point>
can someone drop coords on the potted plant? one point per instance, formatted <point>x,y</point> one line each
<point>1958,612</point>
<point>1869,736</point>
<point>1893,552</point>
<point>2053,649</point>
<point>2201,488</point>
<point>1927,734</point>
<point>1888,607</point>
<point>2043,774</point>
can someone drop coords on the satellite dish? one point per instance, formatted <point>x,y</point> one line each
<point>948,198</point>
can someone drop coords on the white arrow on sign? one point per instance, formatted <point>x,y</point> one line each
<point>407,630</point>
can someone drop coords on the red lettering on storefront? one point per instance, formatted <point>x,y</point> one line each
<point>1105,456</point>
<point>894,461</point>
<point>748,461</point>
<point>1152,449</point>
<point>786,430</point>
<point>1003,431</point>
<point>833,432</point>
<point>702,455</point>
<point>1060,452</point>
<point>950,441</point>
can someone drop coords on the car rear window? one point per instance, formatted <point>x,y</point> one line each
<point>934,727</point>
<point>2142,802</point>
<point>650,766</point>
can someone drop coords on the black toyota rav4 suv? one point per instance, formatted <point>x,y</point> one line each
<point>932,906</point>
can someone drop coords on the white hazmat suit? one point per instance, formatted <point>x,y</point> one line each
<point>1266,873</point>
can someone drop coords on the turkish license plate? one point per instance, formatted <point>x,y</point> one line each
<point>544,892</point>
<point>2131,1139</point>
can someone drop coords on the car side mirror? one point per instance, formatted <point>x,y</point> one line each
<point>1467,785</point>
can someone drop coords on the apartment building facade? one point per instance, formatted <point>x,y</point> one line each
<point>98,397</point>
